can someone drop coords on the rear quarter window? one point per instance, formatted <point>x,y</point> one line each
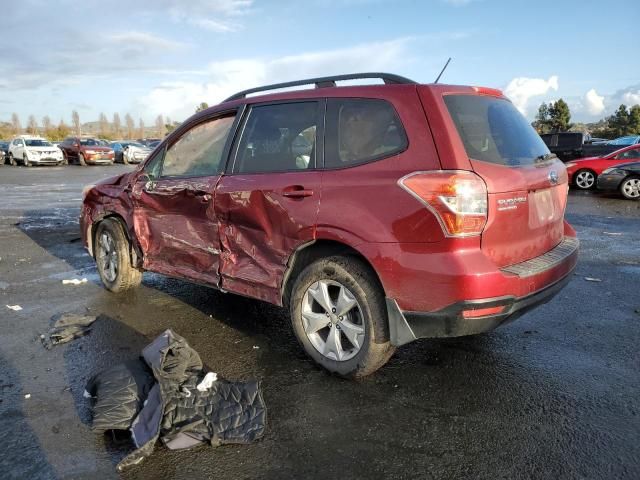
<point>360,131</point>
<point>493,130</point>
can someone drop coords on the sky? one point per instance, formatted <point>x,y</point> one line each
<point>164,57</point>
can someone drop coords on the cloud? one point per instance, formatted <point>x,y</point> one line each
<point>215,25</point>
<point>594,102</point>
<point>68,63</point>
<point>178,98</point>
<point>521,89</point>
<point>143,40</point>
<point>631,98</point>
<point>217,15</point>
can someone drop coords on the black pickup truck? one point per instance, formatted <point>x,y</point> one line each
<point>571,145</point>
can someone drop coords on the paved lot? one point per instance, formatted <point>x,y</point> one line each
<point>554,395</point>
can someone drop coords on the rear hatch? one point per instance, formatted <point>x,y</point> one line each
<point>527,186</point>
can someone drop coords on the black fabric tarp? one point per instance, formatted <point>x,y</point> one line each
<point>169,407</point>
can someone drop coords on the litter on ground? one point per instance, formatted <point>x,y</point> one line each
<point>74,281</point>
<point>207,381</point>
<point>591,279</point>
<point>15,308</point>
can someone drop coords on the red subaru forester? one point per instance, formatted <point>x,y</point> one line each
<point>377,214</point>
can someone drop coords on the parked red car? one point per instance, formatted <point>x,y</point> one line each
<point>86,151</point>
<point>377,214</point>
<point>583,173</point>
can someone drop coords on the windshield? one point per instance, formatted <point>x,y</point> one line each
<point>37,143</point>
<point>623,141</point>
<point>90,142</point>
<point>493,130</point>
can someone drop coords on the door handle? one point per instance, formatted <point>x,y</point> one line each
<point>296,191</point>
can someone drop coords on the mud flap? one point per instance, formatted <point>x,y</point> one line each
<point>400,332</point>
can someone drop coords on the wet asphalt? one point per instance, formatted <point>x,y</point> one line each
<point>555,394</point>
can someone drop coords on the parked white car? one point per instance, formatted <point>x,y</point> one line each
<point>31,150</point>
<point>127,151</point>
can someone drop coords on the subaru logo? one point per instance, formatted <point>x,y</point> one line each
<point>553,177</point>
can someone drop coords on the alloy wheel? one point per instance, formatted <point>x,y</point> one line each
<point>333,320</point>
<point>631,188</point>
<point>585,179</point>
<point>108,256</point>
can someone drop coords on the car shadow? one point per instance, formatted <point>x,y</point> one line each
<point>110,342</point>
<point>18,441</point>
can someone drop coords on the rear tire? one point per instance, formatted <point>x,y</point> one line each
<point>12,161</point>
<point>585,179</point>
<point>358,335</point>
<point>111,248</point>
<point>630,188</point>
<point>81,160</point>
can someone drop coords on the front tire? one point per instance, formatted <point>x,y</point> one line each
<point>630,188</point>
<point>81,160</point>
<point>585,179</point>
<point>112,257</point>
<point>339,315</point>
<point>26,161</point>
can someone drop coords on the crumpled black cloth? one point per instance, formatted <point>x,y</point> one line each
<point>177,413</point>
<point>118,394</point>
<point>67,327</point>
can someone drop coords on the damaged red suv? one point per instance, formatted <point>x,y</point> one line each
<point>377,214</point>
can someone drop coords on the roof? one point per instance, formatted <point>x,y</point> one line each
<point>323,82</point>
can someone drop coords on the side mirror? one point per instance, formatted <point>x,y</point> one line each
<point>76,145</point>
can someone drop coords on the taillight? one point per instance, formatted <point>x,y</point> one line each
<point>458,198</point>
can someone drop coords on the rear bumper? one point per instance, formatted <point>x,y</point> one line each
<point>406,327</point>
<point>472,315</point>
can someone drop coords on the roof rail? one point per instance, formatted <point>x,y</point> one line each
<point>322,82</point>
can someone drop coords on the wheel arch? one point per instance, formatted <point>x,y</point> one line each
<point>312,251</point>
<point>135,255</point>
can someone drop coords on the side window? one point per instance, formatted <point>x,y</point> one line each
<point>630,154</point>
<point>278,138</point>
<point>360,131</point>
<point>199,151</point>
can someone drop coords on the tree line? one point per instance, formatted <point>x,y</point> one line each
<point>115,129</point>
<point>556,117</point>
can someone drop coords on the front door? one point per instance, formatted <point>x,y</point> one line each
<point>174,211</point>
<point>268,203</point>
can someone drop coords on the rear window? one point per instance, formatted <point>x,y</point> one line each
<point>570,140</point>
<point>493,130</point>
